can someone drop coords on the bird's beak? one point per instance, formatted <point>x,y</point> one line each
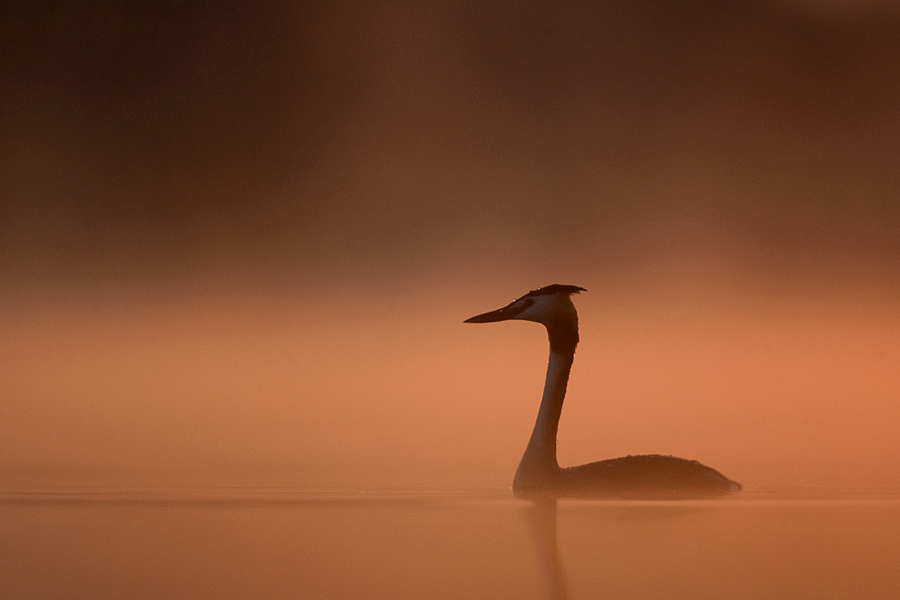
<point>501,314</point>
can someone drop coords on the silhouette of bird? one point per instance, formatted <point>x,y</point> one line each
<point>648,476</point>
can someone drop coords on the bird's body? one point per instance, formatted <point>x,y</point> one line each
<point>641,476</point>
<point>648,476</point>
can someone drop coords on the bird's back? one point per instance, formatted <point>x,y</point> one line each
<point>647,476</point>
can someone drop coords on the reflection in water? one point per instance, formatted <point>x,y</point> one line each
<point>540,517</point>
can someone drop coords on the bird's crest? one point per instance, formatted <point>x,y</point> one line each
<point>555,289</point>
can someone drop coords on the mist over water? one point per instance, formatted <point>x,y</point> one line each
<point>241,234</point>
<point>368,392</point>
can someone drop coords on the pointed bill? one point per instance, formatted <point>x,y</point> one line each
<point>510,311</point>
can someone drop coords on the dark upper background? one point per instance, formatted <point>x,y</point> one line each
<point>288,145</point>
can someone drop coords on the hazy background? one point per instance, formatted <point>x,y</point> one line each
<point>238,240</point>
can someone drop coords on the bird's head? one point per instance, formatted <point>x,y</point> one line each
<point>550,305</point>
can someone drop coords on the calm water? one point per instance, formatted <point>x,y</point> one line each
<point>278,543</point>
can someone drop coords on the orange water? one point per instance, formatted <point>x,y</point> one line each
<point>282,543</point>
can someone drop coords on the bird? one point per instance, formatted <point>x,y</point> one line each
<point>650,476</point>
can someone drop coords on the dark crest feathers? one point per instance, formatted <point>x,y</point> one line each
<point>555,289</point>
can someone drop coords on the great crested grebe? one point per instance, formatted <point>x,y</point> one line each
<point>648,476</point>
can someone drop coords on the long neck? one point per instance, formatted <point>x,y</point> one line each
<point>538,466</point>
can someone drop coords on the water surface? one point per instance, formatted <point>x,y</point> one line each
<point>235,543</point>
